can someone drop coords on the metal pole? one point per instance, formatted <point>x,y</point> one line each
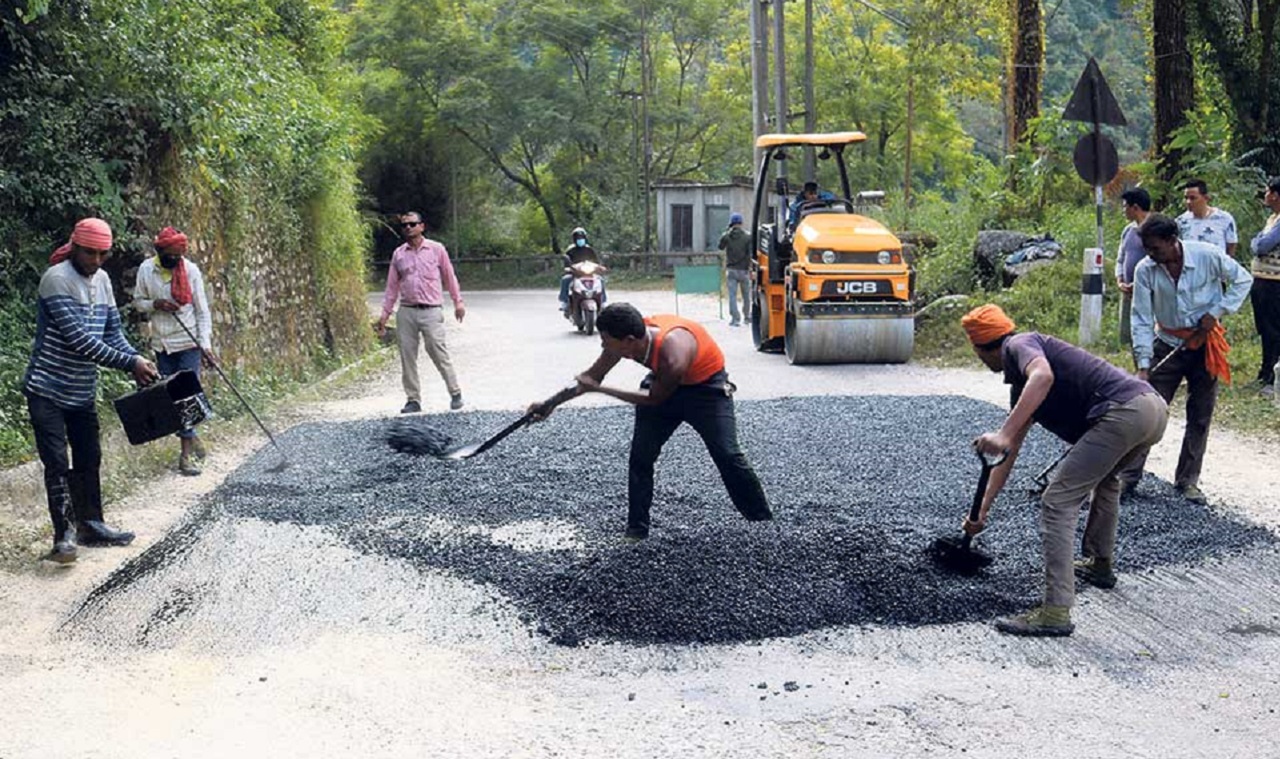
<point>759,73</point>
<point>810,110</point>
<point>648,137</point>
<point>780,90</point>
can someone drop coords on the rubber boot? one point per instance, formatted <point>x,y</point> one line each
<point>63,518</point>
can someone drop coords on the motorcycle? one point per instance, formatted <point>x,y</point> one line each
<point>586,294</point>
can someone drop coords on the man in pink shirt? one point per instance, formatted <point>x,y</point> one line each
<point>417,270</point>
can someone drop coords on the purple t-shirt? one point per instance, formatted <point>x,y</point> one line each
<point>1084,386</point>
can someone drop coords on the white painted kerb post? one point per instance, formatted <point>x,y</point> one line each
<point>1091,296</point>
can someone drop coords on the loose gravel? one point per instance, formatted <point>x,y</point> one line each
<point>860,486</point>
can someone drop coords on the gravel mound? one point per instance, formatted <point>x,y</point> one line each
<point>860,487</point>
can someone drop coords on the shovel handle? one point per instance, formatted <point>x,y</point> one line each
<point>563,395</point>
<point>987,465</point>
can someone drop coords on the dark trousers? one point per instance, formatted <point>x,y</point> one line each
<point>74,488</point>
<point>708,408</point>
<point>1202,395</point>
<point>1266,317</point>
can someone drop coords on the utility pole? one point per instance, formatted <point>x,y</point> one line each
<point>780,91</point>
<point>648,137</point>
<point>759,76</point>
<point>810,109</point>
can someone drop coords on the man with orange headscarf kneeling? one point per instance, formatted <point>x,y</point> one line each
<point>1109,417</point>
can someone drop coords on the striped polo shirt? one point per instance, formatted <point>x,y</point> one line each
<point>77,328</point>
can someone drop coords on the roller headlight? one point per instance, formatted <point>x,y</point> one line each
<point>884,257</point>
<point>828,256</point>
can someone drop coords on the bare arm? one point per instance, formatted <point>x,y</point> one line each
<point>674,359</point>
<point>1013,432</point>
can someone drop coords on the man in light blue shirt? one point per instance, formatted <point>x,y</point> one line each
<point>1181,285</point>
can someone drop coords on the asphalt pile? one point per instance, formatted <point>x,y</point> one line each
<point>860,489</point>
<point>417,436</point>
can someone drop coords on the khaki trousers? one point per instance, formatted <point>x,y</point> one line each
<point>425,325</point>
<point>1123,434</point>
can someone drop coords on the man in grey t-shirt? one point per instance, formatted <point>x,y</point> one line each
<point>1203,223</point>
<point>1137,205</point>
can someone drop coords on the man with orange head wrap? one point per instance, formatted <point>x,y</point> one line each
<point>77,330</point>
<point>1109,417</point>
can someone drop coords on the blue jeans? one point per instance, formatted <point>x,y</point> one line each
<point>739,280</point>
<point>172,363</point>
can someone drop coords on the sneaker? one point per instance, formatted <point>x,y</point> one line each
<point>1096,572</point>
<point>1193,494</point>
<point>455,402</point>
<point>633,535</point>
<point>64,553</point>
<point>187,465</point>
<point>1042,621</point>
<point>412,407</point>
<point>735,324</point>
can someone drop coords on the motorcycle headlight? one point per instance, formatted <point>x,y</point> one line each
<point>884,257</point>
<point>828,256</point>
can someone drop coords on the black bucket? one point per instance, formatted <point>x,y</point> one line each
<point>164,407</point>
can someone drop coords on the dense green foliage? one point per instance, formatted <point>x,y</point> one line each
<point>232,120</point>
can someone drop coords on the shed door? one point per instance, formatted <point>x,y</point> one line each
<point>717,222</point>
<point>681,227</point>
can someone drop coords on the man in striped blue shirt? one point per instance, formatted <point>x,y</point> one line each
<point>77,330</point>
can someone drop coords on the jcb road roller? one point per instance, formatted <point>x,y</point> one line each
<point>830,285</point>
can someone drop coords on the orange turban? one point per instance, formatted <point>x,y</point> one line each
<point>170,238</point>
<point>986,324</point>
<point>89,233</point>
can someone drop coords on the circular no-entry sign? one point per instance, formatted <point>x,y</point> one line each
<point>1088,150</point>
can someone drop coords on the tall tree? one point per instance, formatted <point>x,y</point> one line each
<point>1174,78</point>
<point>1242,36</point>
<point>1026,60</point>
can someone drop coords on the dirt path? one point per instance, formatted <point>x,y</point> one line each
<point>319,650</point>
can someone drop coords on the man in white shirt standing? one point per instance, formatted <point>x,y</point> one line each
<point>170,288</point>
<point>1203,223</point>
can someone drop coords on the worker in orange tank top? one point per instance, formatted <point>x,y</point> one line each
<point>687,383</point>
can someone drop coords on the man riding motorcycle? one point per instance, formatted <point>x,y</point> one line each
<point>578,252</point>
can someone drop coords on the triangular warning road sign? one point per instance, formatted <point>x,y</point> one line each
<point>1082,105</point>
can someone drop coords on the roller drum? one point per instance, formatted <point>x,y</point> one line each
<point>862,340</point>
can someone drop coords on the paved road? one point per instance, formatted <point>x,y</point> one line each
<point>305,646</point>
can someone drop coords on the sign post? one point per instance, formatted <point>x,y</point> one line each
<point>1097,163</point>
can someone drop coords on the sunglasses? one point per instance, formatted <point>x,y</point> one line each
<point>407,224</point>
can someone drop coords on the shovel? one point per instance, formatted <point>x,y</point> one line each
<point>544,408</point>
<point>958,554</point>
<point>285,463</point>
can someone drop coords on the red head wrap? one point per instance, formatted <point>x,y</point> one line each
<point>89,233</point>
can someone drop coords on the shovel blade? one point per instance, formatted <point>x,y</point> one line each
<point>465,452</point>
<point>952,554</point>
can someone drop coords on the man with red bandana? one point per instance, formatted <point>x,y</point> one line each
<point>77,330</point>
<point>1108,416</point>
<point>170,288</point>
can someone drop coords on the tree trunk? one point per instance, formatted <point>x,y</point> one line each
<point>1026,61</point>
<point>1174,79</point>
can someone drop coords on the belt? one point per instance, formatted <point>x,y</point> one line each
<point>420,305</point>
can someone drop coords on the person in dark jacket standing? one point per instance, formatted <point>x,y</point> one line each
<point>736,244</point>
